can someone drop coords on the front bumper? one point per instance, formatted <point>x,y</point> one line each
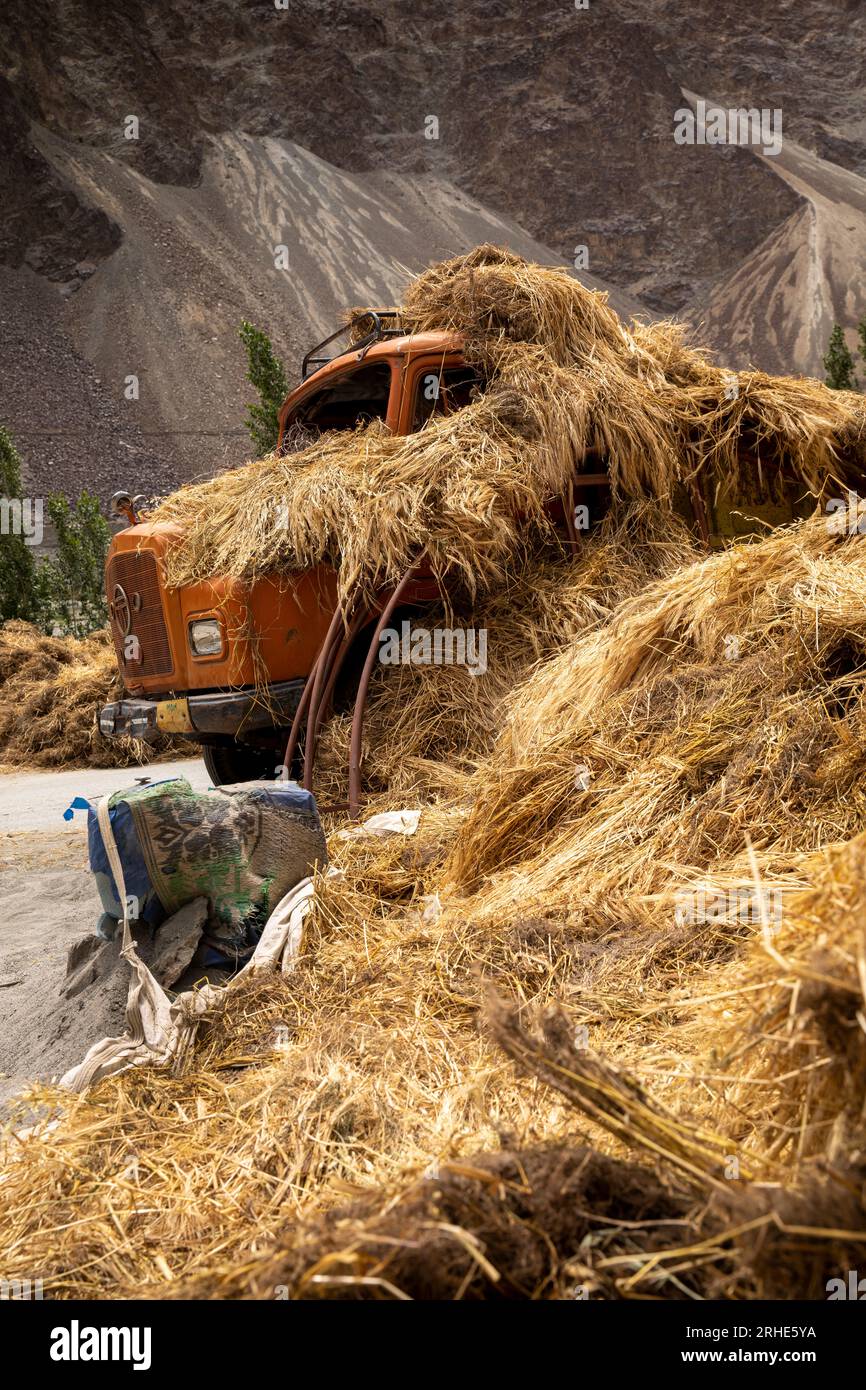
<point>223,714</point>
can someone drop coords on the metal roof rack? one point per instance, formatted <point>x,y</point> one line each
<point>311,362</point>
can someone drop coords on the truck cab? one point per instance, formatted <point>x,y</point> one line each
<point>192,659</point>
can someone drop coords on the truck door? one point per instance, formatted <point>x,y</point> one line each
<point>437,388</point>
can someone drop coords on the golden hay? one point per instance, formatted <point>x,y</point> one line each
<point>658,730</point>
<point>51,689</point>
<point>732,688</point>
<point>567,383</point>
<point>426,726</point>
<point>322,1117</point>
<point>795,1045</point>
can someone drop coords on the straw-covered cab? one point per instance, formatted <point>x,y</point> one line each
<point>504,409</point>
<point>223,661</point>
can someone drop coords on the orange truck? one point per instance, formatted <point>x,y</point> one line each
<point>188,666</point>
<point>184,654</point>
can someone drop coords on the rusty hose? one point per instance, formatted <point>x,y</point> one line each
<point>341,651</point>
<point>327,677</point>
<point>317,678</point>
<point>304,702</point>
<point>361,697</point>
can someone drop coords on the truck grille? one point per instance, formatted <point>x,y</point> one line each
<point>135,599</point>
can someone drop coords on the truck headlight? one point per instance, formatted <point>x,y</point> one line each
<point>205,637</point>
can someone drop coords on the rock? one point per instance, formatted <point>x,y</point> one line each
<point>174,942</point>
<point>167,951</point>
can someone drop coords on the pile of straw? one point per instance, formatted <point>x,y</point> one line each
<point>597,1028</point>
<point>506,1066</point>
<point>427,726</point>
<point>567,384</point>
<point>51,689</point>
<point>732,688</point>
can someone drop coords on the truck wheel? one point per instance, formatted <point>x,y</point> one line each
<point>239,763</point>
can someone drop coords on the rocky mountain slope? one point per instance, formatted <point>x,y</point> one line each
<point>369,140</point>
<point>192,261</point>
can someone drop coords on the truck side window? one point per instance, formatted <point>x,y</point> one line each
<point>441,393</point>
<point>353,399</point>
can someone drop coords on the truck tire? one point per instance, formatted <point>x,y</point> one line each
<point>236,762</point>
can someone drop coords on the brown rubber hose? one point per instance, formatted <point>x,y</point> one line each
<point>361,697</point>
<point>318,705</point>
<point>317,677</point>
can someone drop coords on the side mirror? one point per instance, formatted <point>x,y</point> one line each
<point>122,505</point>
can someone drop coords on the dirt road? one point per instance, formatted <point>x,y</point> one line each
<point>37,800</point>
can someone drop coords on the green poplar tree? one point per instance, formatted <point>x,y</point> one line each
<point>839,363</point>
<point>71,584</point>
<point>265,372</point>
<point>17,565</point>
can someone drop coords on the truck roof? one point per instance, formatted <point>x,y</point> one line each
<point>407,345</point>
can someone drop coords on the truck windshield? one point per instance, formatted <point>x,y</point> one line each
<point>353,399</point>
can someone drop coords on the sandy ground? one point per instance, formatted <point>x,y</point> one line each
<point>48,902</point>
